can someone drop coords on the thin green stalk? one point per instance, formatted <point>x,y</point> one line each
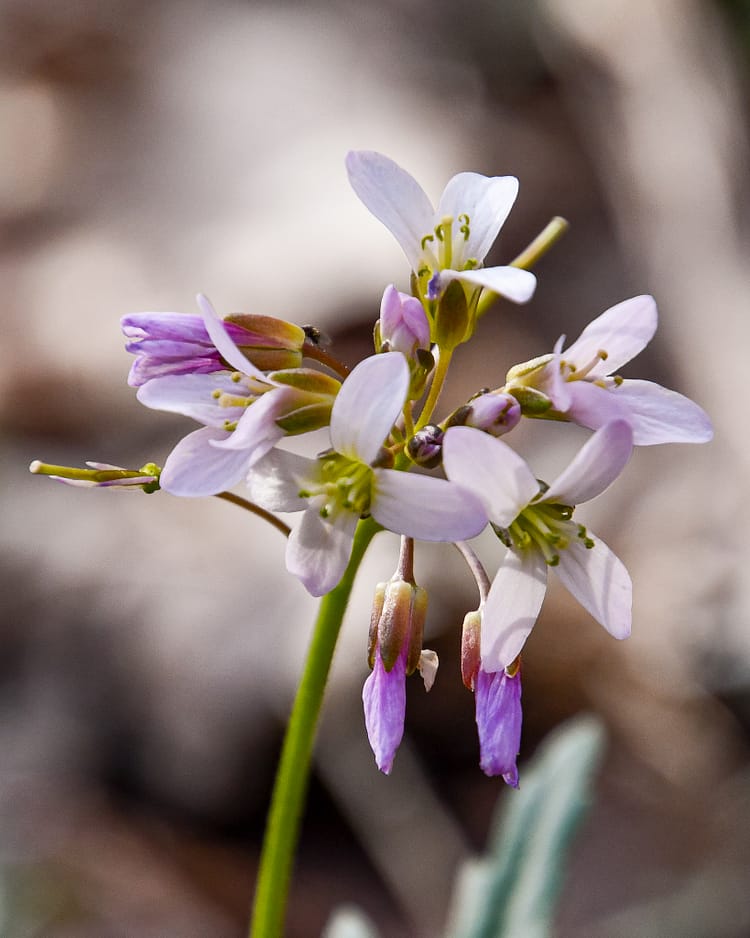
<point>552,233</point>
<point>285,813</point>
<point>446,354</point>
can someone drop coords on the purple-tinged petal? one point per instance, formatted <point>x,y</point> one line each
<point>511,282</point>
<point>426,508</point>
<point>623,331</point>
<point>384,699</point>
<point>499,717</point>
<point>595,467</point>
<point>487,200</point>
<point>659,415</point>
<point>512,607</point>
<point>192,396</point>
<point>368,404</point>
<point>318,549</point>
<point>490,469</point>
<point>403,322</point>
<point>219,334</point>
<point>394,197</point>
<point>276,479</point>
<point>185,327</point>
<point>601,584</point>
<point>195,467</point>
<point>146,368</point>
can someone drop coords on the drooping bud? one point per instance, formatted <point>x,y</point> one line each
<point>426,446</point>
<point>403,325</point>
<point>397,623</point>
<point>470,654</point>
<point>494,412</point>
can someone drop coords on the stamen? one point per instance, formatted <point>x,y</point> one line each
<point>464,229</point>
<point>578,373</point>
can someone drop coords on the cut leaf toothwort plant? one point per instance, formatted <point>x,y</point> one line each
<point>394,463</point>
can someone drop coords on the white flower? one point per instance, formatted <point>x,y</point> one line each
<point>346,483</point>
<point>536,527</point>
<point>449,243</point>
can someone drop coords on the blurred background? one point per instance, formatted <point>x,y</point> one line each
<point>149,647</point>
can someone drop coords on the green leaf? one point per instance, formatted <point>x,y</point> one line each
<point>513,891</point>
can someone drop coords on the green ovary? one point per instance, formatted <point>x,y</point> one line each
<point>345,483</point>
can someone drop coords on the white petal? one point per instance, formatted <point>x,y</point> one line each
<point>511,282</point>
<point>623,331</point>
<point>487,200</point>
<point>192,396</point>
<point>512,607</point>
<point>426,508</point>
<point>600,583</point>
<point>318,550</point>
<point>368,404</point>
<point>394,197</point>
<point>276,479</point>
<point>195,467</point>
<point>595,467</point>
<point>659,415</point>
<point>592,406</point>
<point>220,338</point>
<point>490,469</point>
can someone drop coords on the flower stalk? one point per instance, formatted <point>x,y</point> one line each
<point>290,787</point>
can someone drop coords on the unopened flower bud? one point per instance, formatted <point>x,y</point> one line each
<point>426,446</point>
<point>451,317</point>
<point>269,343</point>
<point>397,623</point>
<point>495,412</point>
<point>470,653</point>
<point>403,325</point>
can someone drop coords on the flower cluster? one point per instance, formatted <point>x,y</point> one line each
<point>252,380</point>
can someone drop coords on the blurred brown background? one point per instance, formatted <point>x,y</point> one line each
<point>149,647</point>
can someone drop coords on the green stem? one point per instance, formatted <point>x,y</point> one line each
<point>552,233</point>
<point>285,814</point>
<point>436,387</point>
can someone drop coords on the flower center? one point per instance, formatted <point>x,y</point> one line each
<point>546,527</point>
<point>248,391</point>
<point>571,372</point>
<point>342,484</point>
<point>445,249</point>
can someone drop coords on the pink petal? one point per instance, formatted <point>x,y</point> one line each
<point>491,469</point>
<point>512,607</point>
<point>623,331</point>
<point>384,699</point>
<point>426,508</point>
<point>368,404</point>
<point>394,197</point>
<point>595,467</point>
<point>659,415</point>
<point>318,549</point>
<point>600,583</point>
<point>511,282</point>
<point>195,467</point>
<point>486,200</point>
